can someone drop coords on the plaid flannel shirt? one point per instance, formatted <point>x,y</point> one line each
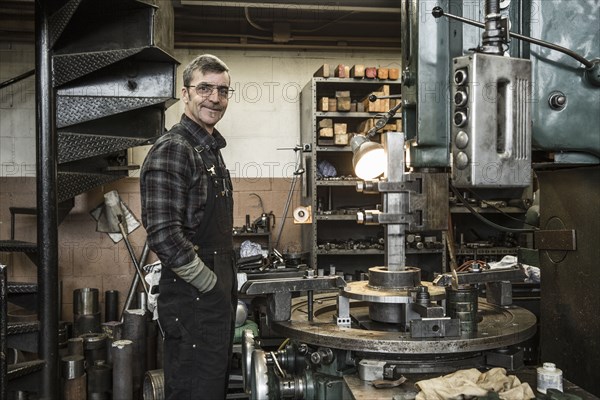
<point>173,186</point>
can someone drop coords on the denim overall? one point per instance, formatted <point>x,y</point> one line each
<point>198,327</point>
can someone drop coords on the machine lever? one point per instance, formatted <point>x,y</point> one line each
<point>438,12</point>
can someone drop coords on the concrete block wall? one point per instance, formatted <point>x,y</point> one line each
<point>91,259</point>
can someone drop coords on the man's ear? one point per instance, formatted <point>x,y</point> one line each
<point>185,94</point>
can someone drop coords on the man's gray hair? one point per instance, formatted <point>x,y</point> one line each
<point>204,63</point>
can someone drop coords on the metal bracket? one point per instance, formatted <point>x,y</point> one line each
<point>434,327</point>
<point>556,240</point>
<point>279,292</point>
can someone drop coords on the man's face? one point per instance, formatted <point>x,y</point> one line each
<point>206,98</point>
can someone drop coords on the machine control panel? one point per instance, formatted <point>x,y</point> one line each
<point>491,121</point>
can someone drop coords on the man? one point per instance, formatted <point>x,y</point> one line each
<point>187,210</point>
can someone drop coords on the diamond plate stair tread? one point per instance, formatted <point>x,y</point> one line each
<point>70,184</point>
<point>59,20</point>
<point>24,368</point>
<point>16,328</point>
<point>76,109</point>
<point>68,67</point>
<point>74,146</point>
<point>22,287</point>
<point>17,245</point>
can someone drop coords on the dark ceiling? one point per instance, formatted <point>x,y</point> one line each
<point>268,24</point>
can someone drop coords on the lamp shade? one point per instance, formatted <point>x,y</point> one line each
<point>369,159</point>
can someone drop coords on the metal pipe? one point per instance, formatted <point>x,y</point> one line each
<point>3,332</point>
<point>134,260</point>
<point>17,79</point>
<point>122,356</point>
<point>113,331</point>
<point>99,381</point>
<point>74,378</point>
<point>151,344</point>
<point>134,329</point>
<point>273,46</point>
<point>47,219</point>
<point>111,305</point>
<point>136,280</point>
<point>295,5</point>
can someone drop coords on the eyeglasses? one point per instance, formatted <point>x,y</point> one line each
<point>205,90</point>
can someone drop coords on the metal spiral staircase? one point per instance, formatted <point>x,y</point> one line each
<point>103,82</point>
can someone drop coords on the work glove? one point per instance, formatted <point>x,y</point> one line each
<point>197,274</point>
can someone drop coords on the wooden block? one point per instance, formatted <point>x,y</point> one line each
<point>341,139</point>
<point>343,103</point>
<point>394,74</point>
<point>340,128</point>
<point>373,106</point>
<point>360,107</point>
<point>353,105</point>
<point>340,71</point>
<point>326,132</point>
<point>370,72</point>
<point>382,73</point>
<point>326,123</point>
<point>389,128</point>
<point>323,104</point>
<point>357,71</point>
<point>347,71</point>
<point>398,125</point>
<point>384,105</point>
<point>325,141</point>
<point>332,104</point>
<point>342,93</point>
<point>322,72</point>
<point>385,89</point>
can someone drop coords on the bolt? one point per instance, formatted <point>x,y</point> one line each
<point>315,358</point>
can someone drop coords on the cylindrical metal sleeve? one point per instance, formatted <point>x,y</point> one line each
<point>94,347</point>
<point>99,381</point>
<point>122,356</point>
<point>151,343</point>
<point>134,329</point>
<point>86,323</point>
<point>72,366</point>
<point>462,304</point>
<point>111,305</point>
<point>85,301</point>
<point>382,277</point>
<point>154,385</point>
<point>75,346</point>
<point>75,389</point>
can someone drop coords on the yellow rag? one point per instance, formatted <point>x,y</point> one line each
<point>471,382</point>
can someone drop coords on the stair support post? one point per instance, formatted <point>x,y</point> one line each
<point>47,221</point>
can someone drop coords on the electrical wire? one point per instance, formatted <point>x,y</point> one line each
<point>252,23</point>
<point>498,209</point>
<point>485,220</point>
<point>324,25</point>
<point>282,345</point>
<point>259,201</point>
